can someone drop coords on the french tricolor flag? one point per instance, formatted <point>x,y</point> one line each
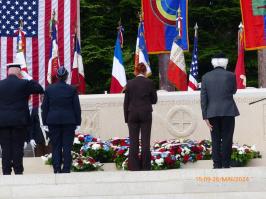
<point>77,73</point>
<point>119,80</point>
<point>53,63</point>
<point>141,55</point>
<point>177,74</point>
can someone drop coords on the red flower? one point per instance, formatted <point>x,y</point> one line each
<point>123,143</point>
<point>172,151</point>
<point>80,162</point>
<point>179,150</point>
<point>186,158</point>
<point>121,152</point>
<point>91,160</point>
<point>169,160</point>
<point>161,150</point>
<point>94,139</point>
<point>194,149</point>
<point>81,138</point>
<point>199,156</point>
<point>115,142</point>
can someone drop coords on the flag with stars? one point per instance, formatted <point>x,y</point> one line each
<point>36,16</point>
<point>194,69</point>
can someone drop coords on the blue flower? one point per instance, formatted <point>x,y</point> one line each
<point>106,147</point>
<point>88,138</point>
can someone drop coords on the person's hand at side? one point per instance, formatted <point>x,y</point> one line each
<point>209,124</point>
<point>25,145</point>
<point>33,143</point>
<point>77,129</point>
<point>45,128</point>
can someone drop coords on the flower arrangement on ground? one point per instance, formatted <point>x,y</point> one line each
<point>89,153</point>
<point>82,163</point>
<point>241,155</point>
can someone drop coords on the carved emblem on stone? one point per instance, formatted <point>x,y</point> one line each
<point>181,121</point>
<point>90,120</point>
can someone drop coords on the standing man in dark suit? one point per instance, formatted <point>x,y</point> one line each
<point>139,97</point>
<point>219,109</point>
<point>15,117</point>
<point>61,112</point>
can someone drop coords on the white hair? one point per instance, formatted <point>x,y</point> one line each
<point>222,62</point>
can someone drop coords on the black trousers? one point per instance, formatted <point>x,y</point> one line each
<point>222,140</point>
<point>139,122</point>
<point>62,137</point>
<point>12,143</point>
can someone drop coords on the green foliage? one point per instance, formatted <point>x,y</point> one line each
<point>218,22</point>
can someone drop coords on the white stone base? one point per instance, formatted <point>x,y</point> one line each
<point>168,184</point>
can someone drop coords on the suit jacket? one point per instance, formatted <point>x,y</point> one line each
<point>61,105</point>
<point>139,96</point>
<point>14,97</point>
<point>217,90</point>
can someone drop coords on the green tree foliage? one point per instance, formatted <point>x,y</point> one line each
<point>218,22</point>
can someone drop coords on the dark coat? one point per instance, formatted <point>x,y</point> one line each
<point>139,96</point>
<point>14,97</point>
<point>61,105</point>
<point>217,90</point>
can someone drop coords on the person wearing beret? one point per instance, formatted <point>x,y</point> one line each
<point>15,117</point>
<point>140,94</point>
<point>219,109</point>
<point>61,112</point>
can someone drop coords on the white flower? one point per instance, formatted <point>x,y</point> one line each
<point>253,148</point>
<point>76,140</point>
<point>241,152</point>
<point>96,146</point>
<point>44,158</point>
<point>126,153</point>
<point>159,161</point>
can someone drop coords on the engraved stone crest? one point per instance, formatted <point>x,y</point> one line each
<point>181,121</point>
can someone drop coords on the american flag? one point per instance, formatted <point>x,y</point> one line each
<point>194,69</point>
<point>36,16</point>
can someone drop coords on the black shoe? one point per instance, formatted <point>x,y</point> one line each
<point>217,167</point>
<point>226,167</point>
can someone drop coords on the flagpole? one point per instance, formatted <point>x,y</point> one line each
<point>78,19</point>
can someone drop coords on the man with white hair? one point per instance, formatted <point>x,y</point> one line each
<point>15,117</point>
<point>219,109</point>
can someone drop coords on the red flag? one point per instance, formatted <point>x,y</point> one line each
<point>159,24</point>
<point>253,15</point>
<point>240,65</point>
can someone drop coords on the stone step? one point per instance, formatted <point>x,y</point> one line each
<point>37,166</point>
<point>229,195</point>
<point>207,183</point>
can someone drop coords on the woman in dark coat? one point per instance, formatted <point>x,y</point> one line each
<point>139,97</point>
